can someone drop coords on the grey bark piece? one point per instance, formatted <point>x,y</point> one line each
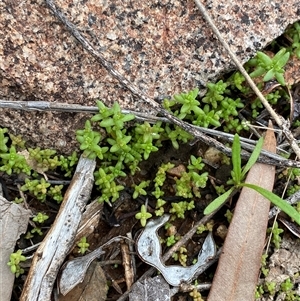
<point>13,222</point>
<point>148,247</point>
<point>151,289</point>
<point>58,241</point>
<point>163,47</point>
<point>73,272</point>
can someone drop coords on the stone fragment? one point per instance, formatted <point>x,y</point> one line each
<point>162,46</point>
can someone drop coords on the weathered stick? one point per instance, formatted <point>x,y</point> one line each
<point>67,107</point>
<point>13,222</point>
<point>247,144</point>
<point>57,243</point>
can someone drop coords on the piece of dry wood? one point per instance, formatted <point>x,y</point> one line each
<point>93,287</point>
<point>74,271</point>
<point>151,289</point>
<point>13,222</point>
<point>56,245</point>
<point>127,263</point>
<point>239,264</point>
<point>89,221</point>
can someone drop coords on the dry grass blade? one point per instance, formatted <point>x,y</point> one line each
<point>239,264</point>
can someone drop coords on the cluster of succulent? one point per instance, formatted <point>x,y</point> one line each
<point>122,148</point>
<point>159,181</point>
<point>14,262</point>
<point>3,140</point>
<point>40,217</point>
<point>181,256</point>
<point>119,149</point>
<point>143,215</point>
<point>45,159</point>
<point>139,189</point>
<point>37,220</point>
<point>40,188</point>
<point>15,158</point>
<point>292,189</point>
<point>186,186</point>
<point>12,162</point>
<point>268,67</point>
<point>293,34</point>
<point>179,208</point>
<point>10,159</point>
<point>190,182</point>
<point>216,107</point>
<point>275,234</point>
<point>196,295</point>
<point>292,175</point>
<point>207,227</point>
<point>171,240</point>
<point>83,245</point>
<point>67,163</point>
<point>285,290</point>
<point>272,98</point>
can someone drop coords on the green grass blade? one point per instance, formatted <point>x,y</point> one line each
<point>215,204</point>
<point>254,156</point>
<point>236,159</point>
<point>277,201</point>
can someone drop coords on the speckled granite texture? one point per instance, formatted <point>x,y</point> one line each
<point>163,47</point>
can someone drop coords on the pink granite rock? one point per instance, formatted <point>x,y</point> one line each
<point>163,47</point>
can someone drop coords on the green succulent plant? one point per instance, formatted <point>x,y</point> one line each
<point>14,162</point>
<point>89,142</point>
<point>139,189</point>
<point>14,262</point>
<point>3,140</point>
<point>143,215</point>
<point>83,245</point>
<point>270,67</point>
<point>40,217</point>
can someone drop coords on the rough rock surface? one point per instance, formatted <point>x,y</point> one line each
<point>162,46</point>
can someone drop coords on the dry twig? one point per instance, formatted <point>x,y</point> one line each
<point>59,240</point>
<point>247,144</point>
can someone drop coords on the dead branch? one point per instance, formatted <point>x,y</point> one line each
<point>57,243</point>
<point>247,144</point>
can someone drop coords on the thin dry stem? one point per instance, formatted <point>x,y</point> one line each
<point>247,144</point>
